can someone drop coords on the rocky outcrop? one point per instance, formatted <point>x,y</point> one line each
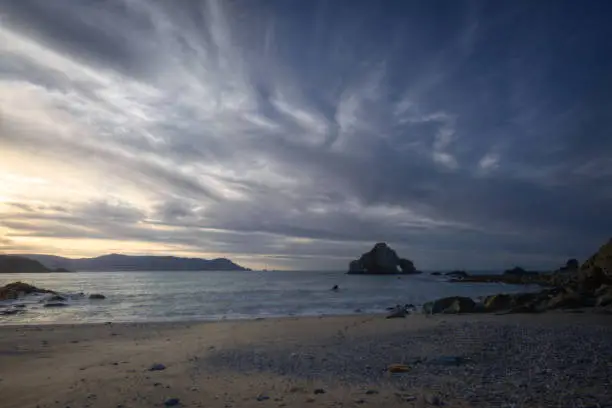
<point>381,260</point>
<point>515,276</point>
<point>570,288</point>
<point>17,289</point>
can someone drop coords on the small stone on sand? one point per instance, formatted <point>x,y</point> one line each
<point>172,402</point>
<point>157,367</point>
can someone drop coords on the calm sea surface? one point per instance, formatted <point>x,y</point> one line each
<point>182,296</point>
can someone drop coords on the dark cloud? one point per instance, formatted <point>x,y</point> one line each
<point>473,133</point>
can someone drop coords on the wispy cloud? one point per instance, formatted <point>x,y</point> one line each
<point>296,137</point>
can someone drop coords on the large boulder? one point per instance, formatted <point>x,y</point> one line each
<point>452,305</point>
<point>568,300</point>
<point>498,302</point>
<point>604,295</point>
<point>597,270</point>
<point>381,260</point>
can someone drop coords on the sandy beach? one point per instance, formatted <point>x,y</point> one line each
<point>556,359</point>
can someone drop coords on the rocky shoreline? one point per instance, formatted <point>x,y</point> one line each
<point>571,287</point>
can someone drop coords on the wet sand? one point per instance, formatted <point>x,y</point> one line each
<point>556,359</point>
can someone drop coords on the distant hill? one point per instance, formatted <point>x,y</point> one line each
<point>20,264</point>
<point>118,262</point>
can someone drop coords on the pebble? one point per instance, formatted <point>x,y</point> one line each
<point>157,367</point>
<point>172,402</point>
<point>371,392</point>
<point>319,391</point>
<point>262,397</point>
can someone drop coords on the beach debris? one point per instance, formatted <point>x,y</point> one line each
<point>398,368</point>
<point>157,367</point>
<point>360,401</point>
<point>172,402</point>
<point>262,397</point>
<point>97,296</point>
<point>319,391</point>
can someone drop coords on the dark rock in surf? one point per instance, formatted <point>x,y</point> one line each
<point>17,289</point>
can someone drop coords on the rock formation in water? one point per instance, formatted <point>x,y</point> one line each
<point>17,289</point>
<point>381,260</point>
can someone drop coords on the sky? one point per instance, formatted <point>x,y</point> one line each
<point>296,134</point>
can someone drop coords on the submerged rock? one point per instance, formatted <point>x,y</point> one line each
<point>97,296</point>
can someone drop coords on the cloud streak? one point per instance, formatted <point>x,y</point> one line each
<point>291,137</point>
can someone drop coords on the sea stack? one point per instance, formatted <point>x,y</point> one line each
<point>381,260</point>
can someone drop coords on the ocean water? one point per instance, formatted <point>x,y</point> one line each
<point>188,296</point>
